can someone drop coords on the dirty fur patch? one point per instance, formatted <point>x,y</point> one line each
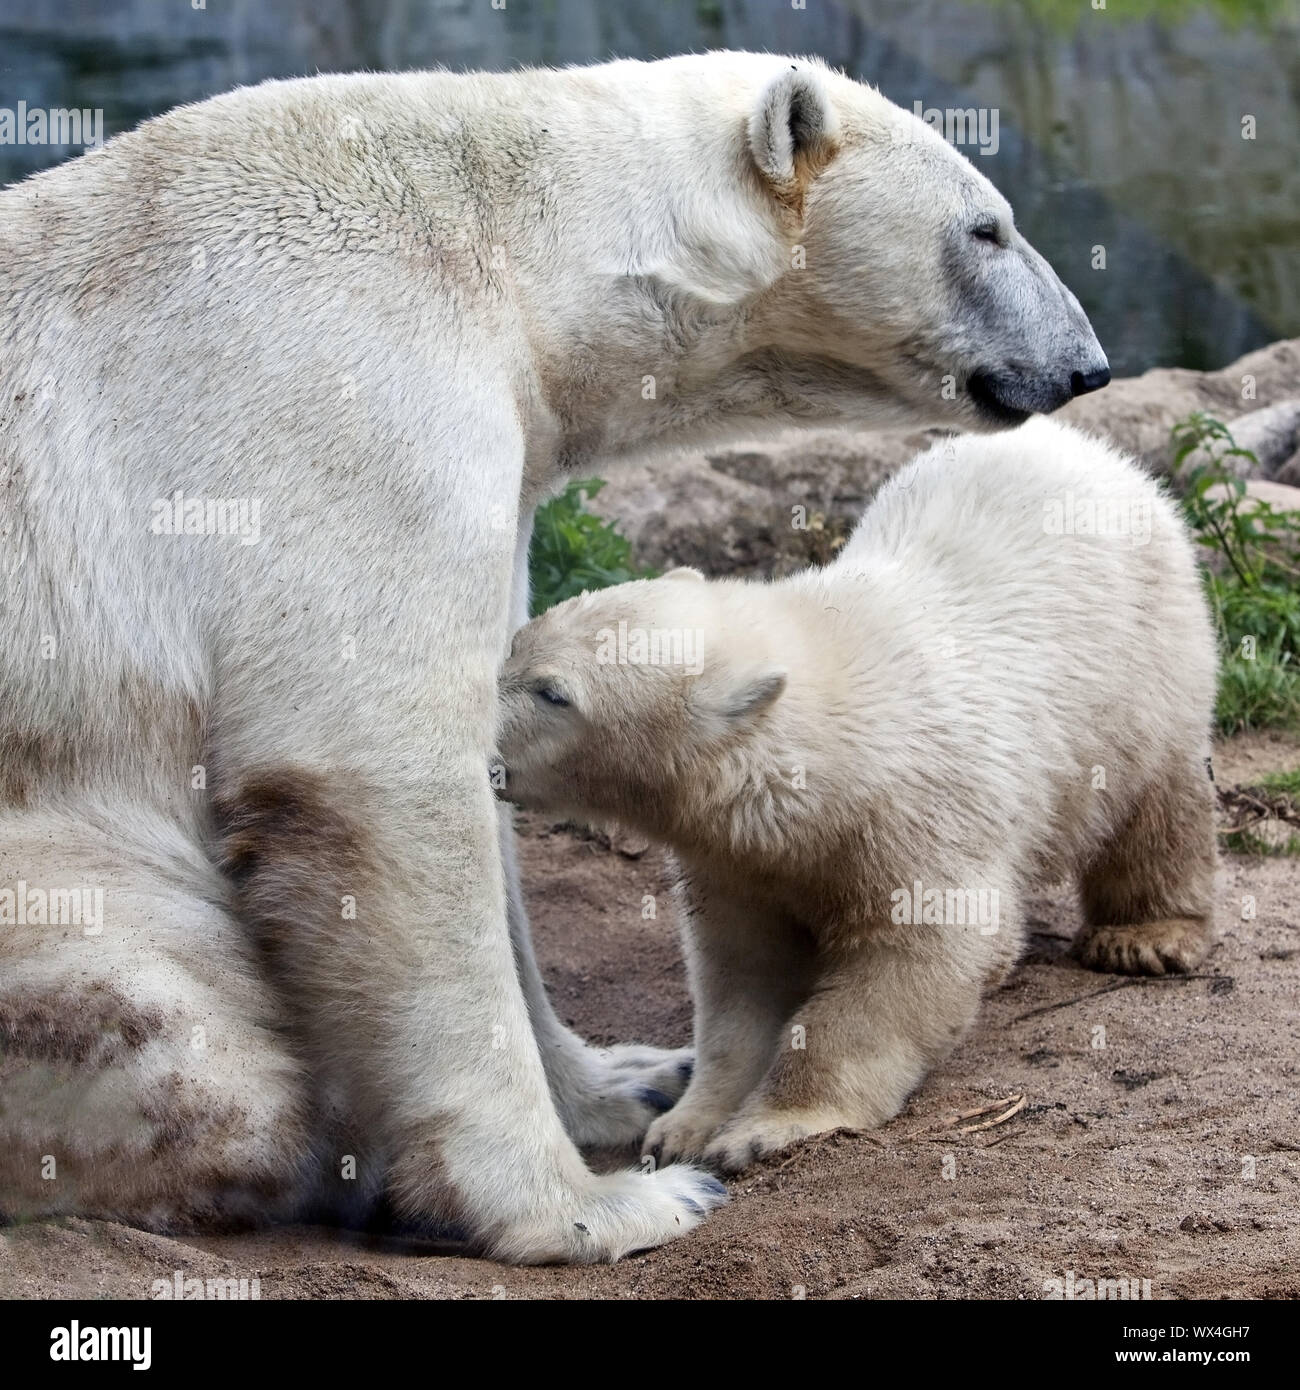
<point>90,1027</point>
<point>285,824</point>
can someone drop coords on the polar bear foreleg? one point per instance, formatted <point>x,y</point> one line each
<point>879,1017</point>
<point>749,968</point>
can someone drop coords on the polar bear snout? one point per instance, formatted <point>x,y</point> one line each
<point>1031,347</point>
<point>1083,382</point>
<point>1012,394</point>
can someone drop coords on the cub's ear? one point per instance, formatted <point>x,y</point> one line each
<point>742,698</point>
<point>794,133</point>
<point>684,572</point>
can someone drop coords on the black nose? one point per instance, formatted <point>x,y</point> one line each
<point>1083,382</point>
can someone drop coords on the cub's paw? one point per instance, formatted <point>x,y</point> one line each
<point>612,1097</point>
<point>682,1134</point>
<point>618,1214</point>
<point>1171,946</point>
<point>747,1138</point>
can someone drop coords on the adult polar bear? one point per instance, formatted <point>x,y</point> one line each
<point>391,312</point>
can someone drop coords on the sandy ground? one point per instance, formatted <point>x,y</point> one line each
<point>1159,1136</point>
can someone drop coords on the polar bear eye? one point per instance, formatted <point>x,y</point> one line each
<point>550,695</point>
<point>985,231</point>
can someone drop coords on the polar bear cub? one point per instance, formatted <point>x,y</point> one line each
<point>1005,678</point>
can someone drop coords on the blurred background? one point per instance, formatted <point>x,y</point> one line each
<point>1119,121</point>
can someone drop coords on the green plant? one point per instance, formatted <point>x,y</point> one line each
<point>1252,583</point>
<point>1282,783</point>
<point>1246,842</point>
<point>573,550</point>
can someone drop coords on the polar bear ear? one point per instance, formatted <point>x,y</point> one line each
<point>794,133</point>
<point>741,699</point>
<point>683,572</point>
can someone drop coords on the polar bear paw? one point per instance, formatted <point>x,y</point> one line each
<point>619,1214</point>
<point>1171,946</point>
<point>608,1098</point>
<point>747,1138</point>
<point>683,1134</point>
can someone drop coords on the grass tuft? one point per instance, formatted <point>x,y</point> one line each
<point>1252,579</point>
<point>574,551</point>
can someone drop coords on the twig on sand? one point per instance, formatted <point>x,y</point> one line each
<point>1110,989</point>
<point>1008,1106</point>
<point>981,1110</point>
<point>1019,1104</point>
<point>831,1138</point>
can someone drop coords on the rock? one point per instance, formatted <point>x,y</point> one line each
<point>766,508</point>
<point>1272,435</point>
<point>774,507</point>
<point>1289,473</point>
<point>1202,1223</point>
<point>628,844</point>
<point>1279,495</point>
<point>1139,412</point>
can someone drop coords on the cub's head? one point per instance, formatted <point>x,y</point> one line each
<point>907,264</point>
<point>612,703</point>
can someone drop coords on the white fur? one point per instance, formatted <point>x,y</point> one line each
<point>390,310</point>
<point>981,693</point>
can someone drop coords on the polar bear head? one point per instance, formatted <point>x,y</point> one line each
<point>873,271</point>
<point>609,703</point>
<point>913,267</point>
